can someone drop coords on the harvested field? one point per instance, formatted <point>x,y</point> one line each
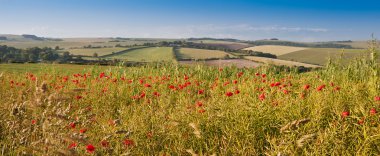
<point>321,55</point>
<point>279,62</point>
<point>191,53</point>
<point>275,49</point>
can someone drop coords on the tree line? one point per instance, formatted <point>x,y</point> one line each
<point>11,54</point>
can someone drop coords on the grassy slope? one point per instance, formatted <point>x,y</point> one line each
<point>191,53</point>
<point>320,55</point>
<point>147,54</point>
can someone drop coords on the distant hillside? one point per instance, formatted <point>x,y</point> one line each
<point>25,38</point>
<point>215,39</point>
<point>300,44</point>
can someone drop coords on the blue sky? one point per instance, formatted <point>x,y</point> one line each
<point>298,20</point>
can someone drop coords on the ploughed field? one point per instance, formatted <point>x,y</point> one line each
<point>169,109</point>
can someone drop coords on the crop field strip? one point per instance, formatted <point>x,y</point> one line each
<point>99,51</point>
<point>275,49</point>
<point>320,56</point>
<point>279,62</point>
<point>192,53</point>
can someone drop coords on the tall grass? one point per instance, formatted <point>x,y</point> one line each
<point>167,109</point>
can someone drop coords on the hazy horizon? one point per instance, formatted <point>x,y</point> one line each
<point>240,19</point>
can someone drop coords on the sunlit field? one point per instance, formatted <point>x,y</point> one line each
<point>192,53</point>
<point>149,54</point>
<point>167,109</point>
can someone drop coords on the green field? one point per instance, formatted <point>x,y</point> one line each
<point>320,56</point>
<point>99,51</point>
<point>147,55</point>
<point>191,53</point>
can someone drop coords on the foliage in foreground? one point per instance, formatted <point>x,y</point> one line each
<point>175,110</point>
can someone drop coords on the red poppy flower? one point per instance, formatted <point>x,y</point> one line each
<point>149,134</point>
<point>199,104</point>
<point>104,143</point>
<point>147,85</point>
<point>72,125</point>
<point>321,87</point>
<point>185,77</point>
<point>156,94</point>
<point>78,97</point>
<point>302,95</point>
<point>237,91</point>
<point>306,87</point>
<point>201,111</point>
<point>73,145</point>
<point>277,84</point>
<point>373,111</point>
<point>90,148</point>
<point>377,98</point>
<point>101,75</point>
<point>345,114</point>
<point>128,142</point>
<point>34,122</point>
<point>201,92</point>
<point>286,91</point>
<point>235,81</point>
<point>142,95</point>
<point>141,81</point>
<point>84,130</point>
<point>262,96</point>
<point>361,121</point>
<point>229,94</point>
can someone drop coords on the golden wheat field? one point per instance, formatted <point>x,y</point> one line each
<point>275,49</point>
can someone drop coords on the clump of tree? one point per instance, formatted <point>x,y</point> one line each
<point>11,54</point>
<point>261,54</point>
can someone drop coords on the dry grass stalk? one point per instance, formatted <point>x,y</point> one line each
<point>191,151</point>
<point>293,125</point>
<point>305,139</point>
<point>196,132</point>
